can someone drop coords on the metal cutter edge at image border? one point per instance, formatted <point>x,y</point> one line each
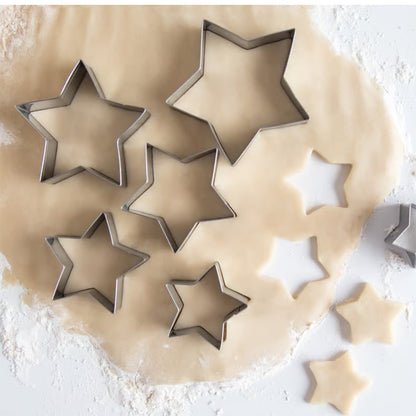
<point>405,219</point>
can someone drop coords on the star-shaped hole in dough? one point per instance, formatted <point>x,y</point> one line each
<point>321,183</point>
<point>83,131</point>
<point>295,262</point>
<point>91,263</point>
<point>239,88</point>
<point>179,193</point>
<point>204,306</point>
<point>337,383</point>
<point>370,317</point>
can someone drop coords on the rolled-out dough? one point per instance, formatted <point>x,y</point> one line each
<point>140,55</point>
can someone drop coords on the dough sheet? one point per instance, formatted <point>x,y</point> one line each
<point>141,55</point>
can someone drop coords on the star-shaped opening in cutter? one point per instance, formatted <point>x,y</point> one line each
<point>402,240</point>
<point>69,90</point>
<point>197,329</point>
<point>370,316</point>
<point>246,44</point>
<point>128,205</point>
<point>67,264</point>
<point>337,382</point>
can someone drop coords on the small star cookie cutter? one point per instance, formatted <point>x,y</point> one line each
<point>127,206</point>
<point>70,88</point>
<point>67,264</point>
<point>174,294</point>
<point>405,220</point>
<point>247,44</point>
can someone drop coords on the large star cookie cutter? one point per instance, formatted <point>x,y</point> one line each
<point>67,264</point>
<point>392,239</point>
<point>70,88</point>
<point>127,206</point>
<point>198,329</point>
<point>247,44</point>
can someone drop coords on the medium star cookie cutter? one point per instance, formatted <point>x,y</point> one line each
<point>127,206</point>
<point>247,44</point>
<point>174,294</point>
<point>67,264</point>
<point>405,220</point>
<point>67,94</point>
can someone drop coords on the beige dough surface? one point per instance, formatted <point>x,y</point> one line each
<point>337,382</point>
<point>182,187</point>
<point>140,55</point>
<point>370,316</point>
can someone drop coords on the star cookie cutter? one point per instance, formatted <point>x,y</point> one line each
<point>127,206</point>
<point>70,88</point>
<point>405,220</point>
<point>245,44</point>
<point>67,264</point>
<point>174,294</point>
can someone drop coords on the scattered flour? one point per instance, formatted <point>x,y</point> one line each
<point>13,31</point>
<point>5,136</point>
<point>33,335</point>
<point>343,26</point>
<point>15,40</point>
<point>16,32</point>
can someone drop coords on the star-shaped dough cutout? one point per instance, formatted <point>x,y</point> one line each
<point>85,149</point>
<point>321,182</point>
<point>208,318</point>
<point>56,245</point>
<point>235,75</point>
<point>179,193</point>
<point>337,382</point>
<point>370,317</point>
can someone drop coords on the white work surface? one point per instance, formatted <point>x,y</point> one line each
<point>383,40</point>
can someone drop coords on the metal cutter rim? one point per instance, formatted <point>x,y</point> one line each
<point>198,329</point>
<point>175,247</point>
<point>67,94</point>
<point>245,44</point>
<point>67,264</point>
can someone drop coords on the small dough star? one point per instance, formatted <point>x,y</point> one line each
<point>337,383</point>
<point>370,317</point>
